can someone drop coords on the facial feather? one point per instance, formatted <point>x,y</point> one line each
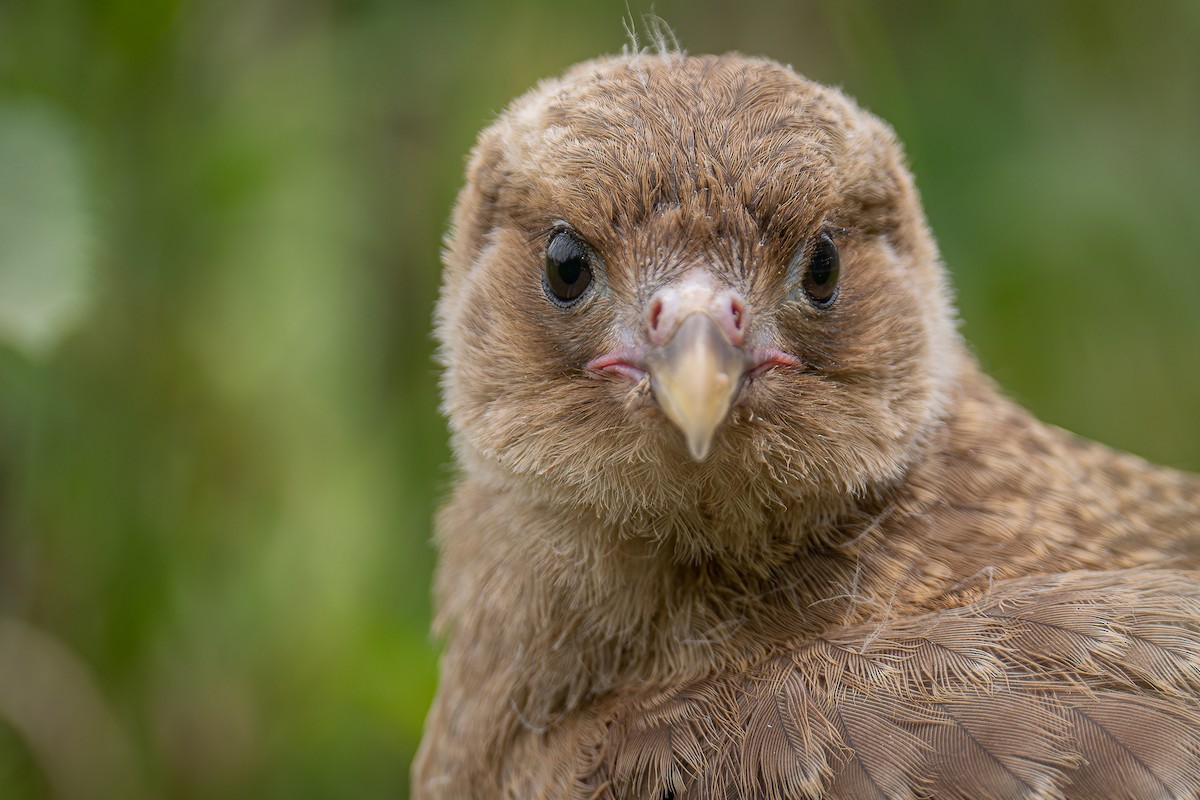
<point>729,167</point>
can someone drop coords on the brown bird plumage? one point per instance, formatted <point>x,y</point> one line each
<point>730,526</point>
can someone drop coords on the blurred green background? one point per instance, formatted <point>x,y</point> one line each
<point>219,235</point>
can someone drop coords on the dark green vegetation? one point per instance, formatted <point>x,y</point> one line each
<point>219,232</point>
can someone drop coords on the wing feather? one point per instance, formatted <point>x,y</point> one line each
<point>1136,747</point>
<point>1081,685</point>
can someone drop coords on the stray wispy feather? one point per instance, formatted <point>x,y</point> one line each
<point>738,515</point>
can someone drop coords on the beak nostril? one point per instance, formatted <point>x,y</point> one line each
<point>738,313</point>
<point>655,315</point>
<point>696,293</point>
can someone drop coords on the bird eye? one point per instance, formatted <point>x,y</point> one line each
<point>821,273</point>
<point>568,272</point>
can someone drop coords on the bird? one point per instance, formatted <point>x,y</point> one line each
<point>736,513</point>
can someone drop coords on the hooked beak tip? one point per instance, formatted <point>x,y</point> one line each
<point>696,376</point>
<point>699,447</point>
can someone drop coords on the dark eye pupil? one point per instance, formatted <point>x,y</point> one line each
<point>567,271</point>
<point>822,271</point>
<point>570,271</point>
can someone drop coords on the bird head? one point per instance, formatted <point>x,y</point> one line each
<point>692,283</point>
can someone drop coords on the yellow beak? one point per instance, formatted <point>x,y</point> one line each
<point>695,376</point>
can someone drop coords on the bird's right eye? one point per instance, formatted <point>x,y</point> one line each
<point>568,269</point>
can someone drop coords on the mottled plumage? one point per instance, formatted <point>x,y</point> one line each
<point>729,525</point>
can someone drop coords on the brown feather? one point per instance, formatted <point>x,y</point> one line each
<point>1052,714</point>
<point>884,580</point>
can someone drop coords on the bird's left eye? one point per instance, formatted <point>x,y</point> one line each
<point>568,269</point>
<point>821,270</point>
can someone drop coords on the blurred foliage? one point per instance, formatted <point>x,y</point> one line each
<point>219,233</point>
